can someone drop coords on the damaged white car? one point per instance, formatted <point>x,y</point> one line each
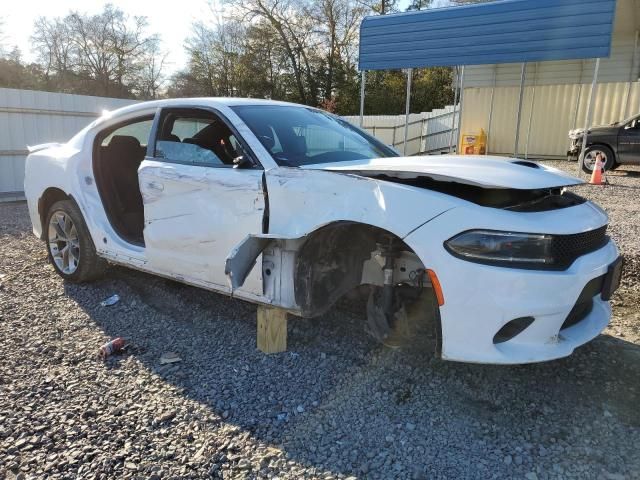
<point>290,206</point>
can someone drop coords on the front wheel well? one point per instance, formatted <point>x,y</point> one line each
<point>330,263</point>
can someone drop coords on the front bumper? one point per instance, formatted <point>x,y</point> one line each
<point>481,299</point>
<point>574,150</point>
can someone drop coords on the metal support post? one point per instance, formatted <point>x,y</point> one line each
<point>406,110</point>
<point>533,102</point>
<point>493,92</point>
<point>631,75</point>
<point>577,109</point>
<point>519,113</point>
<point>460,109</point>
<point>592,100</point>
<point>363,81</point>
<point>455,104</point>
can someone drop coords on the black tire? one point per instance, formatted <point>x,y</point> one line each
<point>609,164</point>
<point>84,264</point>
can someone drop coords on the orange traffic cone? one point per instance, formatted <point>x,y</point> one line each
<point>596,175</point>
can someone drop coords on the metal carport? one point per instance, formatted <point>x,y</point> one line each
<point>509,31</point>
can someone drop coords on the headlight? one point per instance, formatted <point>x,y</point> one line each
<point>503,248</point>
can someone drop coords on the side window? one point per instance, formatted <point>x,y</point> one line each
<point>196,137</point>
<point>137,129</point>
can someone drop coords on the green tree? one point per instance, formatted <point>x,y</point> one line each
<point>15,74</point>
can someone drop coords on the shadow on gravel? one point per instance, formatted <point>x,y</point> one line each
<point>339,402</point>
<point>627,173</point>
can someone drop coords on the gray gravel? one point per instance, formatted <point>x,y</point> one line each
<point>335,406</point>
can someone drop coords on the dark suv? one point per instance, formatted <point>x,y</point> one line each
<point>618,144</point>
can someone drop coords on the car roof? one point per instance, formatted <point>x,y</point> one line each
<point>197,102</point>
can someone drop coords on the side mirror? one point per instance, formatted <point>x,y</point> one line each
<point>242,162</point>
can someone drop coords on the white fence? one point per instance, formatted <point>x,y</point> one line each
<point>428,132</point>
<point>29,117</point>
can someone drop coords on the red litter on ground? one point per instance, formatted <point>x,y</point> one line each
<point>111,347</point>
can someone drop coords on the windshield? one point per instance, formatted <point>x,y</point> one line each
<point>628,120</point>
<point>296,136</point>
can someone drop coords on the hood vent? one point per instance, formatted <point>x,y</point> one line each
<point>525,163</point>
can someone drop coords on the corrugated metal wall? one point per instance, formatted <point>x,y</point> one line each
<point>619,67</point>
<point>554,114</point>
<point>31,117</point>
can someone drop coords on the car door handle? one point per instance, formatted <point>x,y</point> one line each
<point>157,186</point>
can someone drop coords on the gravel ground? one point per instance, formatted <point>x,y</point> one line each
<point>336,405</point>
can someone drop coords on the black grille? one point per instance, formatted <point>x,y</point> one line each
<point>567,248</point>
<point>584,304</point>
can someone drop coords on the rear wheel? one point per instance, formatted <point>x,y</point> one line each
<point>606,156</point>
<point>69,244</point>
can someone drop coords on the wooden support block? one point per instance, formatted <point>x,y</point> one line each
<point>272,329</point>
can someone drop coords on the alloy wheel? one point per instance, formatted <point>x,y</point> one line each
<point>590,159</point>
<point>64,244</point>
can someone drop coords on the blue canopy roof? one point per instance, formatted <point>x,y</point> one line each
<point>502,32</point>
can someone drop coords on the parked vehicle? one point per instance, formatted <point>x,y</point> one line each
<point>287,205</point>
<point>617,144</point>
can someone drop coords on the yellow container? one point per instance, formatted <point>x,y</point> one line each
<point>474,143</point>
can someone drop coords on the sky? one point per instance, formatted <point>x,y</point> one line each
<point>171,19</point>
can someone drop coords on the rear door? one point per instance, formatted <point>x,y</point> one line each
<point>197,206</point>
<point>629,142</point>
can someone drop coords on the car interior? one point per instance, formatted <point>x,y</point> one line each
<point>196,137</point>
<point>117,154</point>
<point>191,137</point>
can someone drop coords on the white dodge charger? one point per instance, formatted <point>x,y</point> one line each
<point>289,206</point>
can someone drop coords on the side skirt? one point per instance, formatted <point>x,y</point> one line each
<point>140,265</point>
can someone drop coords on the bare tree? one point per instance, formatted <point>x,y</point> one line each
<point>380,7</point>
<point>304,51</point>
<point>419,4</point>
<point>151,77</point>
<point>339,22</point>
<point>53,43</point>
<point>103,54</point>
<point>278,14</point>
<point>202,63</point>
<point>2,37</point>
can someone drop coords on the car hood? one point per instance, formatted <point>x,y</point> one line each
<point>478,170</point>
<point>602,129</point>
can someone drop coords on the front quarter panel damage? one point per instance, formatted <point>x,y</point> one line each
<point>301,201</point>
<point>323,230</point>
